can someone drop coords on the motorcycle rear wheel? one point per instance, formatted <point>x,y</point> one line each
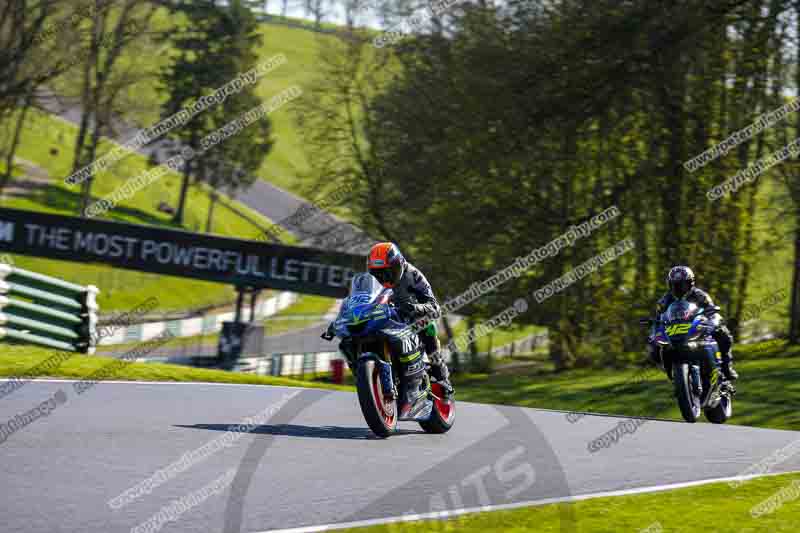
<point>443,414</point>
<point>722,412</point>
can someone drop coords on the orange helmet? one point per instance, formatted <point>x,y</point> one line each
<point>386,263</point>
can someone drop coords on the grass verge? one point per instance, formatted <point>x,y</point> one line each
<point>715,506</point>
<point>767,392</point>
<point>769,388</point>
<point>18,360</point>
<point>307,311</point>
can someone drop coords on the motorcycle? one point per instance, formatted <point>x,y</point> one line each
<point>376,343</point>
<point>684,342</point>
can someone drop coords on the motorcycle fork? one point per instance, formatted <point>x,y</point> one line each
<point>697,380</point>
<point>387,376</point>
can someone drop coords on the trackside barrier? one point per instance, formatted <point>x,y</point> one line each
<point>194,326</point>
<point>291,364</point>
<point>39,309</point>
<point>287,364</point>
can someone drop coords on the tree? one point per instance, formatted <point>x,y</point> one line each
<point>26,31</point>
<point>232,165</point>
<point>14,141</point>
<point>791,177</point>
<point>107,34</point>
<point>37,43</point>
<point>217,44</point>
<point>483,139</point>
<point>316,9</point>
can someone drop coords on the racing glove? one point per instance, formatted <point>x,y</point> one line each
<point>425,311</point>
<point>330,333</point>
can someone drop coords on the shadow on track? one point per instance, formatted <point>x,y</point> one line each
<point>295,430</point>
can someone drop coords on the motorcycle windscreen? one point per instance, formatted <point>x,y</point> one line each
<point>360,312</point>
<point>364,288</point>
<point>681,311</point>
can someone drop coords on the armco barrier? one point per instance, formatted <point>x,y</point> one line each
<point>39,309</point>
<point>200,325</point>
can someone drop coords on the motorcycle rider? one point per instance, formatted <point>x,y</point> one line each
<point>414,299</point>
<point>681,282</point>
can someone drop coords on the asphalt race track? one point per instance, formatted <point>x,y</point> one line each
<point>313,461</point>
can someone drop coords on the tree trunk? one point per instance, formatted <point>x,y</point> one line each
<point>79,149</point>
<point>214,197</point>
<point>488,364</point>
<point>455,361</point>
<point>187,174</point>
<point>794,311</point>
<point>473,346</point>
<point>86,188</point>
<point>15,143</point>
<point>88,115</point>
<point>556,352</point>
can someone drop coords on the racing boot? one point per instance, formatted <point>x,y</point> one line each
<point>727,367</point>
<point>441,373</point>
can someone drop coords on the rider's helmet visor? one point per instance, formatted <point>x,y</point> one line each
<point>388,276</point>
<point>679,288</point>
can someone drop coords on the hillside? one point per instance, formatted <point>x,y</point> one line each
<point>286,163</point>
<point>43,158</point>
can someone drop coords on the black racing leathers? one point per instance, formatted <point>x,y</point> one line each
<point>414,296</point>
<point>415,300</point>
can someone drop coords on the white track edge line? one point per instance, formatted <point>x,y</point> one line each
<point>440,515</point>
<point>133,382</point>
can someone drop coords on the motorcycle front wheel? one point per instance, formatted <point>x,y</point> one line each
<point>379,412</point>
<point>688,401</point>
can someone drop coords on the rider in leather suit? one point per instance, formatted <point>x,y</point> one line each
<point>681,282</point>
<point>414,299</point>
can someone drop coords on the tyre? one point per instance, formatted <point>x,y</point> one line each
<point>443,413</point>
<point>722,412</point>
<point>380,414</point>
<point>688,402</point>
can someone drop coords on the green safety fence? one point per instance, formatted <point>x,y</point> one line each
<point>39,309</point>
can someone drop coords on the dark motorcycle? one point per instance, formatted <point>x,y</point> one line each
<point>685,345</point>
<point>385,355</point>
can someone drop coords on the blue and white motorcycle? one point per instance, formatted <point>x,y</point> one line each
<point>683,338</point>
<point>392,376</point>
